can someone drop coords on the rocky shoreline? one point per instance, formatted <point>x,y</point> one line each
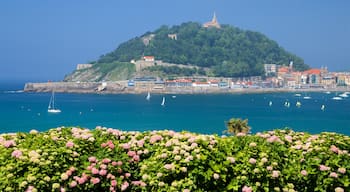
<point>122,88</point>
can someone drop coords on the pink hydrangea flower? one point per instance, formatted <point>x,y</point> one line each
<point>275,174</point>
<point>106,160</point>
<point>95,180</point>
<point>324,168</point>
<point>168,166</point>
<point>155,138</point>
<point>240,134</point>
<point>131,153</point>
<point>92,159</point>
<point>16,153</point>
<point>140,143</point>
<point>252,144</point>
<point>103,166</point>
<point>69,144</point>
<point>81,180</point>
<point>264,160</point>
<point>136,158</point>
<point>342,170</point>
<point>127,175</point>
<point>333,174</point>
<point>216,176</point>
<point>126,146</point>
<point>269,168</point>
<point>334,149</point>
<point>124,186</point>
<point>252,161</point>
<point>231,159</point>
<point>103,172</point>
<point>9,143</point>
<point>247,189</point>
<point>73,184</point>
<point>288,138</point>
<point>94,171</point>
<point>114,183</point>
<point>119,163</point>
<point>303,172</point>
<point>111,145</point>
<point>103,145</point>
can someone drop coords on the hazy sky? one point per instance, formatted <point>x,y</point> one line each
<point>44,40</point>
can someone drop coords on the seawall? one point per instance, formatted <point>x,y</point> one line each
<point>121,87</point>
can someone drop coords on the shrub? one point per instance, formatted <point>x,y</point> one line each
<point>105,159</point>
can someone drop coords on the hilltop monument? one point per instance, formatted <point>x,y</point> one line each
<point>213,23</point>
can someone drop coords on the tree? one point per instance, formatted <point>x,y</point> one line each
<point>237,125</point>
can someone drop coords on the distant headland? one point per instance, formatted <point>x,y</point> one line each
<point>197,58</point>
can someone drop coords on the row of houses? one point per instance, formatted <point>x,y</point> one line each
<point>193,82</point>
<point>312,78</point>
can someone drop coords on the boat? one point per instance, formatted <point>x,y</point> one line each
<point>270,103</point>
<point>328,92</point>
<point>148,97</point>
<point>322,107</point>
<point>174,96</point>
<point>297,94</point>
<point>337,98</point>
<point>306,97</point>
<point>286,104</point>
<point>343,95</point>
<point>298,104</point>
<point>51,108</point>
<point>163,102</point>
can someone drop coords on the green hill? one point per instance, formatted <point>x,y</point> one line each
<point>227,51</point>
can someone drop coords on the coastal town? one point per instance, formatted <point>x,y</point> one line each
<point>276,79</point>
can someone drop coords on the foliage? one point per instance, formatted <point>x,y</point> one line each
<point>228,51</point>
<point>105,159</point>
<point>236,126</point>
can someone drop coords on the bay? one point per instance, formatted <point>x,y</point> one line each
<point>207,113</point>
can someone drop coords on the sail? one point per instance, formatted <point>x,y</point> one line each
<point>163,101</point>
<point>51,107</point>
<point>148,97</point>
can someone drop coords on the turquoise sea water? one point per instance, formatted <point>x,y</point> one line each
<point>196,113</point>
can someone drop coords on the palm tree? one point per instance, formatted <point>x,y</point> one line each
<point>236,125</point>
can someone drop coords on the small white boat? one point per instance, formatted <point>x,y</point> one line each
<point>322,107</point>
<point>328,92</point>
<point>51,108</point>
<point>307,97</point>
<point>286,104</point>
<point>337,98</point>
<point>270,103</point>
<point>163,102</point>
<point>298,104</point>
<point>343,95</point>
<point>174,96</point>
<point>297,94</point>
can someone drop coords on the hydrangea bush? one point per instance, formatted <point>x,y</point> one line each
<point>105,159</point>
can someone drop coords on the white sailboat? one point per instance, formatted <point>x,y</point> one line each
<point>51,108</point>
<point>163,102</point>
<point>148,97</point>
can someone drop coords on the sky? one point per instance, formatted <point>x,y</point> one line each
<point>45,40</point>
